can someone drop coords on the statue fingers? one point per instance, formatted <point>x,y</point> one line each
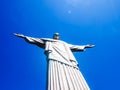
<point>19,35</point>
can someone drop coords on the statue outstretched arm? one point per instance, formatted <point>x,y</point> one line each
<point>89,46</point>
<point>77,48</point>
<point>19,35</point>
<point>39,42</point>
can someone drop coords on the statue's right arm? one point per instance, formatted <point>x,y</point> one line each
<point>19,35</point>
<point>39,42</point>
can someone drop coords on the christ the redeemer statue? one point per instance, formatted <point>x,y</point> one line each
<point>63,71</point>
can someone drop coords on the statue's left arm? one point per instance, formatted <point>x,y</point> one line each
<point>78,48</point>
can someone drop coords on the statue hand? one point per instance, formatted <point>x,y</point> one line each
<point>89,46</point>
<point>19,35</point>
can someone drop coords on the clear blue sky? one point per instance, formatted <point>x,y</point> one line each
<point>23,66</point>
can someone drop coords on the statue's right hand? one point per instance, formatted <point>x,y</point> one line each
<point>19,35</point>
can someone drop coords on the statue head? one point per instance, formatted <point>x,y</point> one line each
<point>56,36</point>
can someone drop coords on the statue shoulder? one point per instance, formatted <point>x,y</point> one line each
<point>53,40</point>
<point>63,42</point>
<point>47,39</point>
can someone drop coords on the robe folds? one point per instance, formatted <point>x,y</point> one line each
<point>63,71</point>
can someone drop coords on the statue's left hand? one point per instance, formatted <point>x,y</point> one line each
<point>89,46</point>
<point>19,35</point>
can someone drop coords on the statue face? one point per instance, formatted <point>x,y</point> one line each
<point>56,36</point>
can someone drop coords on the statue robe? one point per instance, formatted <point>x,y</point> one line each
<point>63,71</point>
